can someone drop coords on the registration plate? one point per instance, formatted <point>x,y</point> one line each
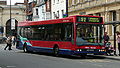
<point>90,54</point>
<point>90,49</point>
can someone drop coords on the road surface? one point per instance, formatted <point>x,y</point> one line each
<point>18,59</point>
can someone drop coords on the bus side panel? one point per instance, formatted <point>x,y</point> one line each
<point>47,46</point>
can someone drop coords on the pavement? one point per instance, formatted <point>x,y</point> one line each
<point>114,57</point>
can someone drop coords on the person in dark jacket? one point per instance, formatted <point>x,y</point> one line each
<point>9,43</point>
<point>106,37</point>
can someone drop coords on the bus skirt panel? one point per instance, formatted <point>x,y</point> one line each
<point>64,51</point>
<point>50,50</point>
<point>89,53</point>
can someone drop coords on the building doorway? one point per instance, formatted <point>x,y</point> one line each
<point>10,29</point>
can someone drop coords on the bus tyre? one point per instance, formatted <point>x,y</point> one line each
<point>56,50</point>
<point>25,48</point>
<point>83,56</point>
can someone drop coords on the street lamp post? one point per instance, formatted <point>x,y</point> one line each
<point>114,39</point>
<point>66,8</point>
<point>10,17</point>
<point>10,11</point>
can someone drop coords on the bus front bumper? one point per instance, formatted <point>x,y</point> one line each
<point>89,53</point>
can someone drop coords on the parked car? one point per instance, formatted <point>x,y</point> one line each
<point>2,39</point>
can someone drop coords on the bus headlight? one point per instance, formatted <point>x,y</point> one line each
<point>79,50</point>
<point>102,50</point>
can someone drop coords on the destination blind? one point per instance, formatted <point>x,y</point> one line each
<point>89,19</point>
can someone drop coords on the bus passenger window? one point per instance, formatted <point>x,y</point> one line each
<point>69,38</point>
<point>68,32</point>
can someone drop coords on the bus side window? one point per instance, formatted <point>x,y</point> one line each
<point>69,38</point>
<point>68,32</point>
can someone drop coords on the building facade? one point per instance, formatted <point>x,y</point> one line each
<point>42,10</point>
<point>17,15</point>
<point>39,11</point>
<point>30,4</point>
<point>58,8</point>
<point>45,9</point>
<point>3,2</point>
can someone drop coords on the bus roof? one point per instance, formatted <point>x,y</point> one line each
<point>69,19</point>
<point>53,21</point>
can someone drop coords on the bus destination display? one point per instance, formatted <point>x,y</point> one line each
<point>89,19</point>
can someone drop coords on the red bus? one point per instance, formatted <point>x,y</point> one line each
<point>74,35</point>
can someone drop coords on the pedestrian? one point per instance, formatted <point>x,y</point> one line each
<point>13,40</point>
<point>118,40</point>
<point>106,38</point>
<point>9,43</point>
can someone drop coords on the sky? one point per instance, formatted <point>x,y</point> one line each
<point>14,1</point>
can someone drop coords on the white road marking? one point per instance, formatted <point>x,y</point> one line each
<point>11,66</point>
<point>96,60</point>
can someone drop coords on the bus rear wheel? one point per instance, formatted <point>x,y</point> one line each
<point>25,48</point>
<point>56,50</point>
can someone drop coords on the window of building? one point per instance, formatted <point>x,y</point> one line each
<point>78,1</point>
<point>90,0</point>
<point>114,15</point>
<point>62,12</point>
<point>37,11</point>
<point>85,0</point>
<point>98,14</point>
<point>81,1</point>
<point>69,3</point>
<point>43,16</point>
<point>54,15</point>
<point>82,13</point>
<point>73,2</point>
<point>42,9</point>
<point>90,14</point>
<point>54,1</point>
<point>58,14</point>
<point>112,30</point>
